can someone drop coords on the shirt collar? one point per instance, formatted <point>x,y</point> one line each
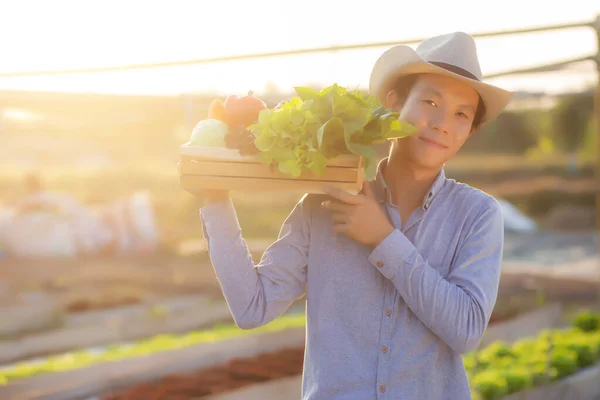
<point>383,194</point>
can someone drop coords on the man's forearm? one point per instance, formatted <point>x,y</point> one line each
<point>457,307</point>
<point>255,294</point>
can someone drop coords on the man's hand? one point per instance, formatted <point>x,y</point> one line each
<point>358,216</point>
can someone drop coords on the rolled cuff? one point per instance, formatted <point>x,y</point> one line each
<point>392,253</point>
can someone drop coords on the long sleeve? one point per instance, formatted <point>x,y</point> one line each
<point>458,307</point>
<point>257,294</point>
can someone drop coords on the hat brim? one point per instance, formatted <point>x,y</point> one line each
<point>400,61</point>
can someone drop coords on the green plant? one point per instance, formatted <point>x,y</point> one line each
<point>570,118</point>
<point>587,321</point>
<point>518,378</point>
<point>490,385</point>
<point>587,150</point>
<point>553,354</point>
<point>313,127</point>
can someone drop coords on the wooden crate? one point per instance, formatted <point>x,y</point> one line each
<point>219,168</point>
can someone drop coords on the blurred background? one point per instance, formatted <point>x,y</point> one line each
<point>96,235</point>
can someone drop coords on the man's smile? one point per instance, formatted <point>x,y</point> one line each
<point>433,142</point>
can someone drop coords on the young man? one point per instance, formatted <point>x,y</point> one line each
<point>401,279</point>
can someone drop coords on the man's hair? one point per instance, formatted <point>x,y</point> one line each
<point>405,84</point>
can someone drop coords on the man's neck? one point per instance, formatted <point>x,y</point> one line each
<point>408,183</point>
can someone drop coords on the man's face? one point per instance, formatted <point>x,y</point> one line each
<point>442,109</point>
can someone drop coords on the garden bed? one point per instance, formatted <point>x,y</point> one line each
<point>101,283</point>
<point>514,326</point>
<point>136,322</point>
<point>83,374</point>
<point>173,315</point>
<point>236,374</point>
<point>29,317</point>
<point>85,330</point>
<point>69,375</point>
<point>526,370</point>
<point>167,332</point>
<point>581,386</point>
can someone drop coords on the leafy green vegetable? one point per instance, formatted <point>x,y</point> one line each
<point>314,127</point>
<point>490,385</point>
<point>587,321</point>
<point>501,368</point>
<point>565,362</point>
<point>517,379</point>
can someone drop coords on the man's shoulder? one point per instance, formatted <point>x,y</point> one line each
<point>472,199</point>
<point>309,204</point>
<point>312,200</point>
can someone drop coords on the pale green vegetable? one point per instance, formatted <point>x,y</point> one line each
<point>209,132</point>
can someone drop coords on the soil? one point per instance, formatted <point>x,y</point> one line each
<point>497,318</point>
<point>221,379</point>
<point>108,282</point>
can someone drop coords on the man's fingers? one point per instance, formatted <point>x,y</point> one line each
<point>367,191</point>
<point>339,218</point>
<point>344,196</point>
<point>340,228</point>
<point>337,206</point>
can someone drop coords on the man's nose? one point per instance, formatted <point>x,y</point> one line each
<point>441,121</point>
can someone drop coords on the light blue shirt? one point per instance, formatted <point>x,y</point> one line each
<point>389,322</point>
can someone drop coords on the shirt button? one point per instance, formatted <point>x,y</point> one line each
<point>380,263</point>
<point>384,349</point>
<point>388,312</point>
<point>382,389</point>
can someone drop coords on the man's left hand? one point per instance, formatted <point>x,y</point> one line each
<point>359,216</point>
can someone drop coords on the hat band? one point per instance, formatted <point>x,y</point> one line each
<point>455,69</point>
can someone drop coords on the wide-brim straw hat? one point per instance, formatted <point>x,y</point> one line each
<point>453,54</point>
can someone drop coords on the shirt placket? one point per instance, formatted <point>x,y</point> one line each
<point>389,309</point>
<point>413,220</point>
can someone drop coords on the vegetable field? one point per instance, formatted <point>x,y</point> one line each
<point>495,371</point>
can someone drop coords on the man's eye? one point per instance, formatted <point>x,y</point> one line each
<point>430,102</point>
<point>462,114</point>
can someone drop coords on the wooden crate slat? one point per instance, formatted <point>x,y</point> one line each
<point>211,168</point>
<point>219,168</point>
<point>194,183</point>
<point>188,153</point>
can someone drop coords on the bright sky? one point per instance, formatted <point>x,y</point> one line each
<point>62,34</point>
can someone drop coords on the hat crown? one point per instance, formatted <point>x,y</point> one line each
<point>453,54</point>
<point>457,49</point>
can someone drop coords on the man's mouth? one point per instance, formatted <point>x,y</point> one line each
<point>433,142</point>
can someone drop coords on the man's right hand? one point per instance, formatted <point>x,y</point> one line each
<point>214,195</point>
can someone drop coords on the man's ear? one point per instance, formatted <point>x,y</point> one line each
<point>392,101</point>
<point>474,129</point>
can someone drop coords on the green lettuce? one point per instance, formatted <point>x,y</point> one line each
<point>314,126</point>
